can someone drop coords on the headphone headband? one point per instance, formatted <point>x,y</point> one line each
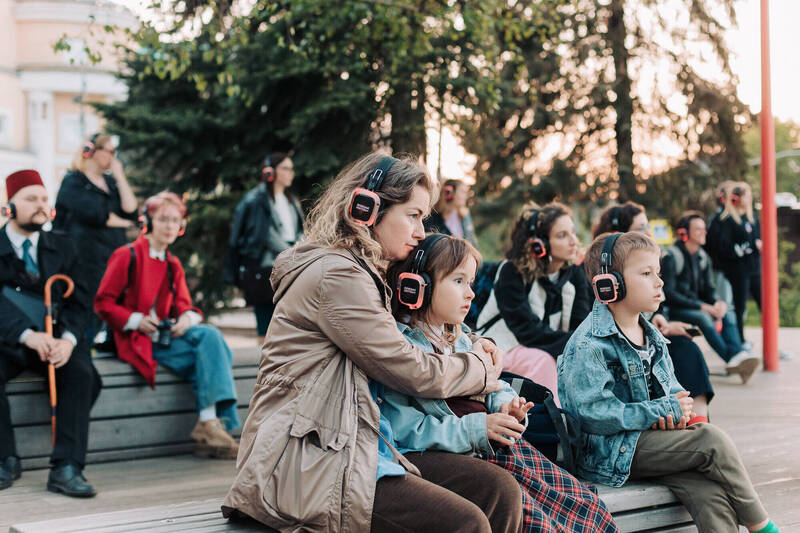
<point>376,176</point>
<point>421,254</point>
<point>94,137</point>
<point>615,212</point>
<point>606,256</point>
<point>533,222</point>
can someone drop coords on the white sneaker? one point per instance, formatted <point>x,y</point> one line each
<point>785,356</point>
<point>743,363</point>
<point>747,346</point>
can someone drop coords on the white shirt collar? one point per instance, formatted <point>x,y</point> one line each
<point>17,239</point>
<point>158,254</point>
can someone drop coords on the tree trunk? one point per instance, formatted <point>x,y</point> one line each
<point>408,116</point>
<point>623,105</point>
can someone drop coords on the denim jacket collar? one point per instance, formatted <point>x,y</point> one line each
<point>603,324</point>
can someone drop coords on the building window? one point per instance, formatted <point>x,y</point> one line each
<point>5,127</point>
<point>70,133</point>
<point>76,55</point>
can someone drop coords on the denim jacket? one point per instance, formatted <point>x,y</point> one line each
<point>601,381</point>
<point>420,424</point>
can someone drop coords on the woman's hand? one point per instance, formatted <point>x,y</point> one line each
<point>503,428</point>
<point>516,408</point>
<point>147,325</point>
<point>489,348</point>
<point>116,221</point>
<point>180,327</point>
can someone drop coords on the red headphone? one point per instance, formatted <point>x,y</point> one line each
<point>365,205</point>
<point>608,285</point>
<point>146,222</point>
<point>449,192</point>
<point>89,148</point>
<point>414,289</point>
<point>683,234</point>
<point>736,196</point>
<point>10,211</point>
<point>539,246</point>
<point>267,172</point>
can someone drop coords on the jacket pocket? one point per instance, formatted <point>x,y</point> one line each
<point>307,482</point>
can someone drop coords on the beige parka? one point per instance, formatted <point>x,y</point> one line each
<point>308,454</point>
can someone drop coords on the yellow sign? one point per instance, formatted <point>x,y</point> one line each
<point>662,232</point>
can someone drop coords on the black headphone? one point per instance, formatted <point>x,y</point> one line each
<point>89,148</point>
<point>615,212</point>
<point>414,289</point>
<point>736,196</point>
<point>608,285</point>
<point>366,204</point>
<point>267,175</point>
<point>539,245</point>
<point>10,211</point>
<point>146,223</point>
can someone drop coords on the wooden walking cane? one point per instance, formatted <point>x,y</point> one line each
<point>48,324</point>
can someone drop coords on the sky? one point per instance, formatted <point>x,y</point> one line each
<point>745,46</point>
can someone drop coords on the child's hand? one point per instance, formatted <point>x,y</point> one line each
<point>503,428</point>
<point>686,402</point>
<point>669,424</point>
<point>516,408</point>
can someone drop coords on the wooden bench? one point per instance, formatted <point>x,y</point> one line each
<point>129,419</point>
<point>635,507</point>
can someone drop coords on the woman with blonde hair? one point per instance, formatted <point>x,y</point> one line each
<point>450,215</point>
<point>316,452</point>
<point>735,236</point>
<point>94,206</point>
<point>540,295</point>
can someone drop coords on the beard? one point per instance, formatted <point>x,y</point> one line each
<point>30,226</point>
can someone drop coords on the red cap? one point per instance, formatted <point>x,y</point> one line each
<point>20,179</point>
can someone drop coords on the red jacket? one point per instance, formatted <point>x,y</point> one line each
<point>150,285</point>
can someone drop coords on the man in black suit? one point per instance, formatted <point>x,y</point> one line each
<point>28,256</point>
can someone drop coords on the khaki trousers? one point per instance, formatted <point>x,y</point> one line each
<point>703,468</point>
<point>455,493</point>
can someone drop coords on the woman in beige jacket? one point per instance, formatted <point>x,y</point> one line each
<point>315,453</point>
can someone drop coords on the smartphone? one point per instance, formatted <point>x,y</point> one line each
<point>694,331</point>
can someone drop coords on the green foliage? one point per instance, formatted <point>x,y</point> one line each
<point>789,290</point>
<point>787,170</point>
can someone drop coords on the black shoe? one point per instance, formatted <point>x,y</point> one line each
<point>10,469</point>
<point>67,479</point>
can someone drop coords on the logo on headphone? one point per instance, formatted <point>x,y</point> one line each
<point>365,205</point>
<point>609,285</point>
<point>414,288</point>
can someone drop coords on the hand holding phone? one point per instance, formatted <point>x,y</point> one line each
<point>694,331</point>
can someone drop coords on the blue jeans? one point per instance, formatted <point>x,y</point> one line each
<point>727,344</point>
<point>201,356</point>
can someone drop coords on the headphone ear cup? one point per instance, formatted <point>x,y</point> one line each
<point>621,285</point>
<point>88,150</point>
<point>9,211</point>
<point>144,223</point>
<point>183,229</point>
<point>52,214</point>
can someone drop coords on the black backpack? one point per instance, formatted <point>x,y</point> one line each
<point>482,287</point>
<point>550,430</point>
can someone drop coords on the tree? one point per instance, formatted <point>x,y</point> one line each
<point>325,80</point>
<point>787,169</point>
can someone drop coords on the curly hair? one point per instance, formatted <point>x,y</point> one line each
<point>624,214</point>
<point>519,251</point>
<point>329,223</point>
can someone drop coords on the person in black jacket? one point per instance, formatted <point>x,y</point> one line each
<point>450,215</point>
<point>735,238</point>
<point>95,205</point>
<point>28,257</point>
<point>690,295</point>
<point>690,365</point>
<point>540,295</point>
<point>267,221</point>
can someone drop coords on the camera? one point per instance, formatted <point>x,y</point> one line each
<point>164,339</point>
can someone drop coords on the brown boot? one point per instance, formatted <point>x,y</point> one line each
<point>213,440</point>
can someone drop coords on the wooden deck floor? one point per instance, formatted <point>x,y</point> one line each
<point>763,418</point>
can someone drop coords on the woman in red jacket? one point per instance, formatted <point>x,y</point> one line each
<point>145,300</point>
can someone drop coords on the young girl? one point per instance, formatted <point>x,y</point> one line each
<point>488,426</point>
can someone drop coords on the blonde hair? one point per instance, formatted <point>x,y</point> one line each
<point>79,162</point>
<point>733,211</point>
<point>329,223</point>
<point>626,244</point>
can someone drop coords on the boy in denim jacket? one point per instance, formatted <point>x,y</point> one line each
<point>616,377</point>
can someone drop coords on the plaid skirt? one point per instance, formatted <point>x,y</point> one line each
<point>553,499</point>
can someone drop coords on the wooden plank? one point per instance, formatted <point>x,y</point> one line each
<point>635,495</point>
<point>29,409</point>
<point>29,382</point>
<point>647,519</point>
<point>202,516</point>
<point>123,454</point>
<point>118,433</point>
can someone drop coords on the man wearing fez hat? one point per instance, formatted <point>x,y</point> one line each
<point>28,256</point>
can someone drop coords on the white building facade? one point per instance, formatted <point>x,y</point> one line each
<point>45,96</point>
